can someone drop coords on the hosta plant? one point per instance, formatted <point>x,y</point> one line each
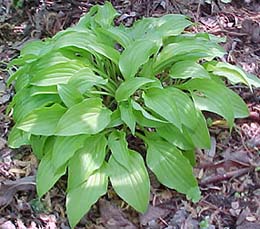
<point>84,96</point>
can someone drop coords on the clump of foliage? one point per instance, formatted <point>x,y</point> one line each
<point>82,95</point>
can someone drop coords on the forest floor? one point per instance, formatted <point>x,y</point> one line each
<point>228,173</point>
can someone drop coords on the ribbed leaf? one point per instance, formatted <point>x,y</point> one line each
<point>127,115</point>
<point>211,96</point>
<point>80,200</point>
<point>17,138</point>
<point>47,176</point>
<point>171,168</point>
<point>87,117</point>
<point>131,181</point>
<point>87,41</point>
<point>69,95</point>
<point>161,102</point>
<point>42,121</point>
<point>86,160</point>
<point>188,69</point>
<point>135,55</point>
<point>56,74</point>
<point>127,88</point>
<point>65,147</point>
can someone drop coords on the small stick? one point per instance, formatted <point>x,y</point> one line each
<point>225,176</point>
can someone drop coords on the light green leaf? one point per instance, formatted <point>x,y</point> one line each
<point>131,182</point>
<point>118,145</point>
<point>158,28</point>
<point>80,200</point>
<point>136,106</point>
<point>105,15</point>
<point>65,147</point>
<point>186,50</point>
<point>42,121</point>
<point>24,102</point>
<point>127,115</point>
<point>119,34</point>
<point>69,95</point>
<point>87,41</point>
<point>17,138</point>
<point>87,117</point>
<point>231,72</point>
<point>47,176</point>
<point>49,90</point>
<point>86,160</point>
<point>56,74</point>
<point>135,55</point>
<point>253,80</point>
<point>188,69</point>
<point>162,102</point>
<point>86,79</point>
<point>171,168</point>
<point>128,87</point>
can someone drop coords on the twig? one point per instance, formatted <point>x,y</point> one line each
<point>225,176</point>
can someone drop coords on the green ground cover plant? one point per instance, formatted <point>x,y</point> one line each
<point>83,94</point>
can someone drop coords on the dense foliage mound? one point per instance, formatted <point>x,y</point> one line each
<point>84,94</point>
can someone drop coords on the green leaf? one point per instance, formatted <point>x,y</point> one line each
<point>158,28</point>
<point>86,160</point>
<point>25,103</point>
<point>161,102</point>
<point>17,138</point>
<point>214,97</point>
<point>38,144</point>
<point>135,55</point>
<point>185,107</point>
<point>42,121</point>
<point>65,147</point>
<point>188,69</point>
<point>47,176</point>
<point>69,95</point>
<point>231,72</point>
<point>87,117</point>
<point>119,34</point>
<point>87,41</point>
<point>200,134</point>
<point>171,168</point>
<point>128,87</point>
<point>115,119</point>
<point>118,145</point>
<point>131,181</point>
<point>85,80</point>
<point>175,136</point>
<point>127,115</point>
<point>136,106</point>
<point>186,50</point>
<point>105,15</point>
<point>80,200</point>
<point>56,74</point>
<point>49,90</point>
